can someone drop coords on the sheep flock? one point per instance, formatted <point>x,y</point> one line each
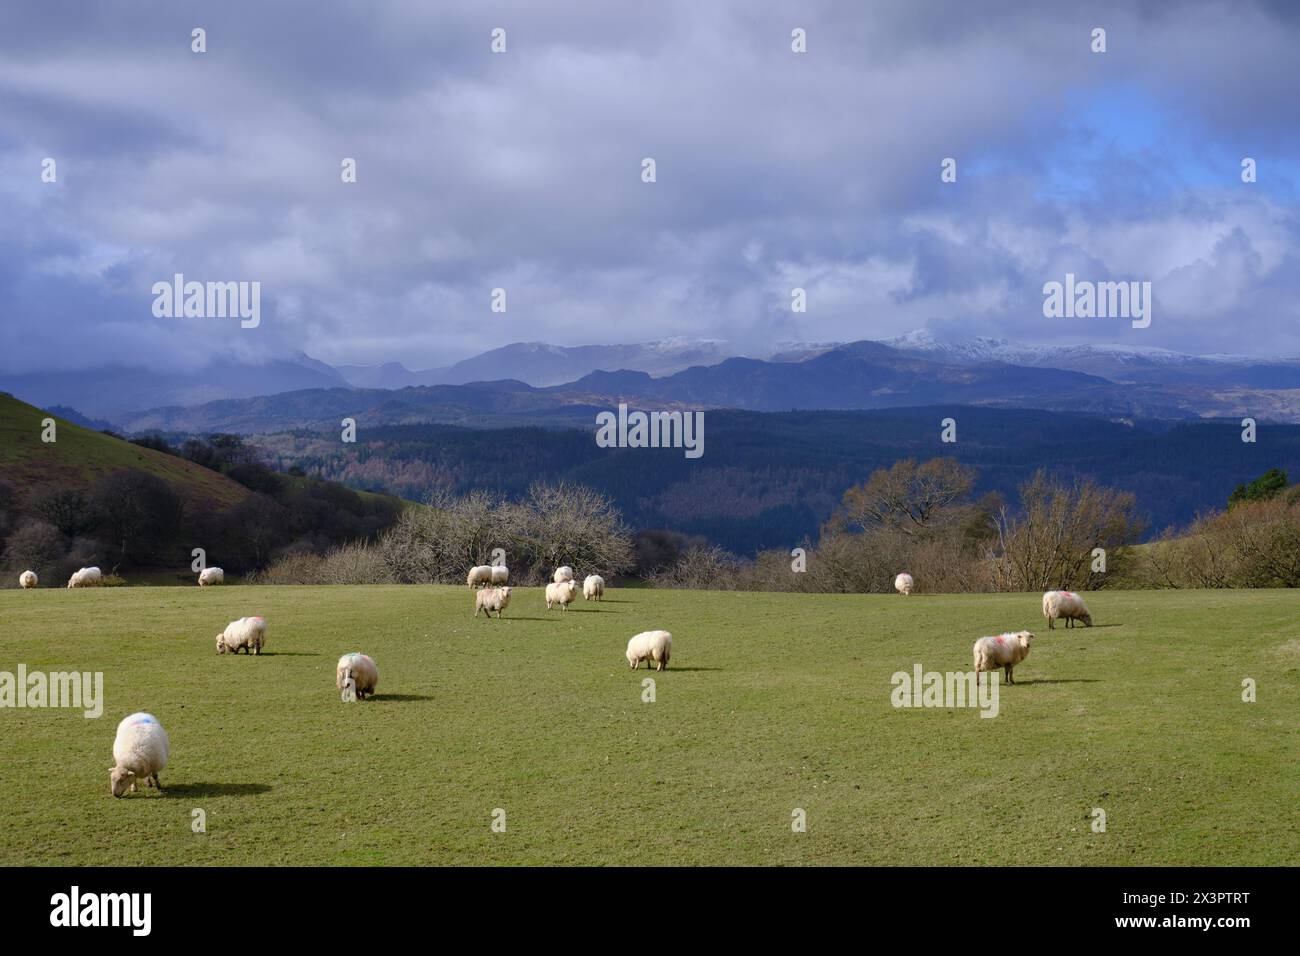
<point>141,748</point>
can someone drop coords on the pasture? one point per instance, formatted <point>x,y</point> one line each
<point>772,702</point>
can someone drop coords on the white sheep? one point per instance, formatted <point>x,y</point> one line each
<point>500,575</point>
<point>593,588</point>
<point>86,578</point>
<point>1065,604</point>
<point>140,751</point>
<point>491,599</point>
<point>358,673</point>
<point>248,633</point>
<point>1004,650</point>
<point>562,574</point>
<point>480,574</point>
<point>28,579</point>
<point>649,646</point>
<point>562,593</point>
<point>903,584</point>
<point>211,576</point>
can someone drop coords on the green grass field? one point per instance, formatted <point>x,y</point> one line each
<point>771,703</point>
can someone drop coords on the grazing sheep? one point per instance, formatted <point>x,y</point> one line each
<point>500,575</point>
<point>28,579</point>
<point>562,574</point>
<point>648,646</point>
<point>563,593</point>
<point>480,574</point>
<point>211,576</point>
<point>358,672</point>
<point>1066,604</point>
<point>593,588</point>
<point>86,578</point>
<point>1004,650</point>
<point>248,633</point>
<point>903,584</point>
<point>491,599</point>
<point>140,751</point>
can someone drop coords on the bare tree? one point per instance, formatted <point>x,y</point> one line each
<point>907,497</point>
<point>1049,541</point>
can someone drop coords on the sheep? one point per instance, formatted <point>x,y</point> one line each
<point>86,578</point>
<point>358,673</point>
<point>1004,650</point>
<point>491,599</point>
<point>649,646</point>
<point>211,576</point>
<point>593,588</point>
<point>562,574</point>
<point>140,750</point>
<point>28,579</point>
<point>562,593</point>
<point>1066,604</point>
<point>903,584</point>
<point>500,575</point>
<point>248,633</point>
<point>479,574</point>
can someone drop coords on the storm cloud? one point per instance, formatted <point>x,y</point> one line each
<point>522,170</point>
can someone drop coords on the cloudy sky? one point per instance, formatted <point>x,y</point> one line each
<point>522,170</point>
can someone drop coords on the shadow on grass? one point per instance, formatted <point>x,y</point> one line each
<point>398,698</point>
<point>1066,680</point>
<point>670,667</point>
<point>553,620</point>
<point>190,791</point>
<point>288,654</point>
<point>1053,630</point>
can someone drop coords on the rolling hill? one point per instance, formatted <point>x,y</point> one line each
<point>767,480</point>
<point>79,456</point>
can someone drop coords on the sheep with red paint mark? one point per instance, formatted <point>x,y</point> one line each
<point>1001,651</point>
<point>1067,605</point>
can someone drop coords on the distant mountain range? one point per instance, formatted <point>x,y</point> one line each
<point>539,364</point>
<point>112,392</point>
<point>533,383</point>
<point>853,376</point>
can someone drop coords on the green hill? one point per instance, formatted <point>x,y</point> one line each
<point>79,456</point>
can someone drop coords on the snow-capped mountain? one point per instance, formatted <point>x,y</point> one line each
<point>540,364</point>
<point>1119,363</point>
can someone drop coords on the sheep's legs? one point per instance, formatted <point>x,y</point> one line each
<point>1010,679</point>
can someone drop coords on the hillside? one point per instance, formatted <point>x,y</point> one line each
<point>768,480</point>
<point>79,456</point>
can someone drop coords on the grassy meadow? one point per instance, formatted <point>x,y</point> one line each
<point>772,702</point>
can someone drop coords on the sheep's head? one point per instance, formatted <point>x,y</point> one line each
<point>1086,619</point>
<point>221,643</point>
<point>505,592</point>
<point>120,780</point>
<point>1025,638</point>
